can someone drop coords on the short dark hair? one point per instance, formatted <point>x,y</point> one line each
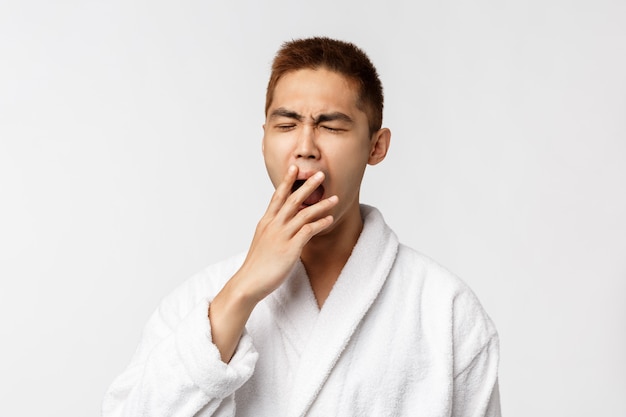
<point>342,57</point>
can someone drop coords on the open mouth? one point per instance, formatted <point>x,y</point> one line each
<point>314,198</point>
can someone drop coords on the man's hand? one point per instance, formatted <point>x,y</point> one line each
<point>280,236</point>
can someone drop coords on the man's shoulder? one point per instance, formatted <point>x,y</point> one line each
<point>212,278</point>
<point>413,264</point>
<point>442,295</point>
<point>434,281</point>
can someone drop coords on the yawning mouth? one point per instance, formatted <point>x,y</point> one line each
<point>315,197</point>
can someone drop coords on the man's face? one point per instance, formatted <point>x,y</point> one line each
<point>314,123</point>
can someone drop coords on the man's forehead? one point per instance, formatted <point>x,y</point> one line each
<point>312,92</point>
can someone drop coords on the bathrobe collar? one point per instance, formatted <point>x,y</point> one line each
<point>323,334</point>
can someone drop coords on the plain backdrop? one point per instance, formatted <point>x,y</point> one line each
<point>130,158</point>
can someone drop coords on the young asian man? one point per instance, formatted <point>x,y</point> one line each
<point>327,314</point>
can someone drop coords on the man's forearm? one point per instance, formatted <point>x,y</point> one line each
<point>228,313</point>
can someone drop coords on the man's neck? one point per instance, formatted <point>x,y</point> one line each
<point>325,255</point>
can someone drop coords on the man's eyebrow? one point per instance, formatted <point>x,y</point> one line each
<point>283,112</point>
<point>329,117</point>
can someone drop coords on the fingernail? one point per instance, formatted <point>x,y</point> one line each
<point>319,175</point>
<point>292,168</point>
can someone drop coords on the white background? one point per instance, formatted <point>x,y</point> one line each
<point>130,159</point>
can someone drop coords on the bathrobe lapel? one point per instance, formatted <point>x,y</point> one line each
<point>354,292</point>
<point>294,308</point>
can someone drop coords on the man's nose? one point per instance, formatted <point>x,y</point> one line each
<point>306,147</point>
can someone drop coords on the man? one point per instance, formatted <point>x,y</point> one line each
<point>327,314</point>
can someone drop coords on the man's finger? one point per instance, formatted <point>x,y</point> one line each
<point>311,214</point>
<point>294,202</point>
<point>309,230</point>
<point>282,191</point>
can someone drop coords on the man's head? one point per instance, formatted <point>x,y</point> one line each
<point>323,114</point>
<point>337,56</point>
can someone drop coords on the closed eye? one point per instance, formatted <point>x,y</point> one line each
<point>285,127</point>
<point>332,129</point>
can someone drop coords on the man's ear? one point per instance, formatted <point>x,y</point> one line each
<point>379,146</point>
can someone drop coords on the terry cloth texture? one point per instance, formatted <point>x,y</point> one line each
<point>397,336</point>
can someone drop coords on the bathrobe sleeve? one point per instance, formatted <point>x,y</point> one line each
<point>177,370</point>
<point>476,391</point>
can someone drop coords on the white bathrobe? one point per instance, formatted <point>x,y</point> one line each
<point>397,336</point>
